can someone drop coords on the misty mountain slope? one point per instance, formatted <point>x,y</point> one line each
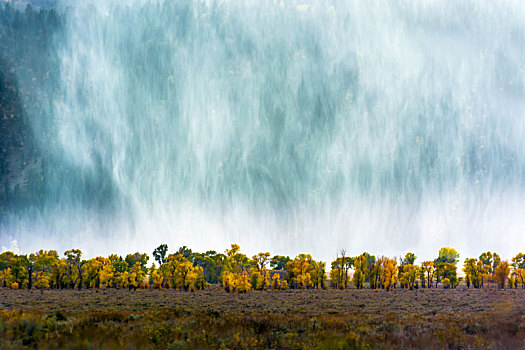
<point>290,124</point>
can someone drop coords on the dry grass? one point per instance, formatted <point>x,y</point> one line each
<point>353,319</point>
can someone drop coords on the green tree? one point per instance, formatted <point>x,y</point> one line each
<point>256,280</point>
<point>142,259</point>
<point>447,255</point>
<point>428,267</point>
<point>6,260</point>
<point>371,260</point>
<point>208,265</point>
<point>29,265</point>
<point>518,262</point>
<point>75,262</point>
<point>409,259</point>
<point>496,260</point>
<point>159,254</point>
<point>375,273</point>
<point>447,271</point>
<point>278,262</point>
<point>445,266</point>
<point>361,271</point>
<point>186,252</point>
<point>43,266</point>
<point>19,272</point>
<point>261,260</point>
<point>340,267</point>
<point>409,276</point>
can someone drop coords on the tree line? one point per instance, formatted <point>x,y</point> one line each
<point>236,272</point>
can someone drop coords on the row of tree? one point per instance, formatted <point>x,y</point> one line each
<point>188,270</point>
<point>387,273</point>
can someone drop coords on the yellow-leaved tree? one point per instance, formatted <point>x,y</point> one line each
<point>92,271</point>
<point>7,260</point>
<point>156,277</point>
<point>361,271</point>
<point>42,268</point>
<point>106,275</point>
<point>181,273</point>
<point>242,284</point>
<point>304,272</point>
<point>276,281</point>
<point>339,277</point>
<point>136,276</point>
<point>235,266</point>
<point>260,277</point>
<point>409,276</point>
<point>501,273</point>
<point>389,273</point>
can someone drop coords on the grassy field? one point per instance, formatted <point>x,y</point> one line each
<point>352,319</point>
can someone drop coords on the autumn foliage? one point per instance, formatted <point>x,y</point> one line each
<point>186,270</point>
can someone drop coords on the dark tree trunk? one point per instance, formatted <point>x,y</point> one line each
<point>30,282</point>
<point>80,277</point>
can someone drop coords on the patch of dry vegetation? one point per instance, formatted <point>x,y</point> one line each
<point>212,318</point>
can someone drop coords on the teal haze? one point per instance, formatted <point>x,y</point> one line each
<point>289,126</point>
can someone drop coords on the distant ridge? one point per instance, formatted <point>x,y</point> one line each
<point>37,3</point>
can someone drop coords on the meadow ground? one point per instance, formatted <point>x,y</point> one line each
<point>326,319</point>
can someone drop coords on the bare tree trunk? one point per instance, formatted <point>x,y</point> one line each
<point>343,267</point>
